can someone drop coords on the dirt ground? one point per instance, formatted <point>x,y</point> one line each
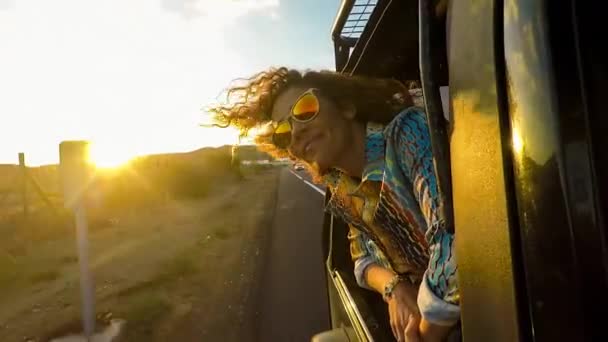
<point>182,271</point>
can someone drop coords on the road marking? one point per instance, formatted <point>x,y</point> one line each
<point>309,183</point>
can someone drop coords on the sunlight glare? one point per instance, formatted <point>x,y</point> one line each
<point>216,137</point>
<point>108,156</point>
<point>518,143</point>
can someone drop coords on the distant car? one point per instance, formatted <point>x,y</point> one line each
<point>298,167</point>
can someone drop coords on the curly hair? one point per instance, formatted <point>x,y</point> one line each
<point>249,101</point>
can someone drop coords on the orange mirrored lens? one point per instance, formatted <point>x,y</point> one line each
<point>306,108</point>
<point>282,135</point>
<point>283,127</point>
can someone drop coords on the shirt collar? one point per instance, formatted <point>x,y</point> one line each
<point>374,153</point>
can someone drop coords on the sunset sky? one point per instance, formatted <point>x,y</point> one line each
<point>133,75</point>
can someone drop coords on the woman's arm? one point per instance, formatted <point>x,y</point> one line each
<point>372,272</point>
<point>363,253</point>
<point>377,277</point>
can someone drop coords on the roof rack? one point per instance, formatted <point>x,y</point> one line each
<point>352,19</point>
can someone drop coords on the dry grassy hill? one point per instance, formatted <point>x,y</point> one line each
<point>145,182</point>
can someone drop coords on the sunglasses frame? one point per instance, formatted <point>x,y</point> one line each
<point>291,117</point>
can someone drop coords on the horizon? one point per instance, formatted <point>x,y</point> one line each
<point>154,154</point>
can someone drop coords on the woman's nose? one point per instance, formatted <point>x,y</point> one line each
<point>296,147</point>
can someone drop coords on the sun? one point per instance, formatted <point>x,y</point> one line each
<point>108,156</point>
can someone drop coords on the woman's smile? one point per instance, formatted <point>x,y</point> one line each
<point>309,150</point>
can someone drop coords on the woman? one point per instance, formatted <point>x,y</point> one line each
<point>358,137</point>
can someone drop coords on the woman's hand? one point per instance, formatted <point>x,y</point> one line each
<point>412,331</point>
<point>420,330</point>
<point>402,302</point>
<point>401,305</point>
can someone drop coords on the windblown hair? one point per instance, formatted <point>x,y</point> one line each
<point>249,101</point>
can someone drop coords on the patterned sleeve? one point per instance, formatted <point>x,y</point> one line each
<point>364,252</point>
<point>438,297</point>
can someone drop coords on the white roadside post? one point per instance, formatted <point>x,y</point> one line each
<point>76,175</point>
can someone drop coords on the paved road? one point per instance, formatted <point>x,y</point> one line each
<point>293,300</point>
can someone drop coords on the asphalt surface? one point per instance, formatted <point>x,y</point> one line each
<point>293,301</point>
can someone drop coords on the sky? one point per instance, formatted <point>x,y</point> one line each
<point>132,76</point>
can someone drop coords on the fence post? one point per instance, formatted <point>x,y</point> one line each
<point>23,182</point>
<point>75,178</point>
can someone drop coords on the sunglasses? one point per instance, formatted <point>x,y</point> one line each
<point>305,109</point>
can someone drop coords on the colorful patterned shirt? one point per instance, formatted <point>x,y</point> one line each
<point>395,213</point>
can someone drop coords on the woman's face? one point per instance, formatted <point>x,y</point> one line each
<point>321,141</point>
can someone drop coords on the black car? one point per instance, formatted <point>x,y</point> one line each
<point>523,154</point>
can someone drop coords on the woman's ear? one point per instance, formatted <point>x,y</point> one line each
<point>349,110</point>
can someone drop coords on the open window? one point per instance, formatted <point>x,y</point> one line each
<point>527,179</point>
<point>526,153</point>
<point>380,38</point>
